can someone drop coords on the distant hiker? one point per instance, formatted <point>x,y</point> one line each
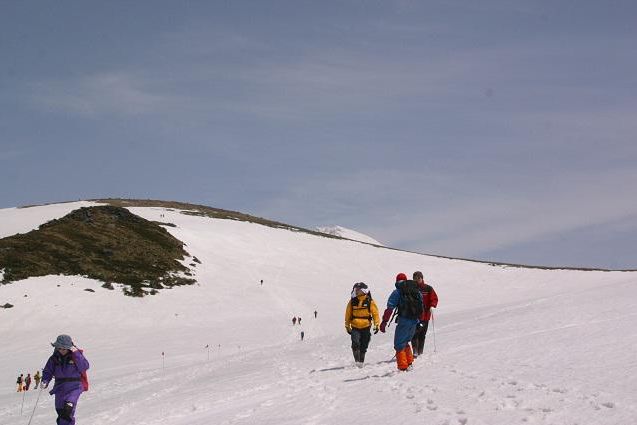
<point>429,301</point>
<point>315,313</point>
<point>27,382</point>
<point>302,335</point>
<point>261,282</point>
<point>68,366</point>
<point>294,321</point>
<point>360,312</point>
<point>407,299</point>
<point>299,320</point>
<point>20,382</point>
<point>37,378</point>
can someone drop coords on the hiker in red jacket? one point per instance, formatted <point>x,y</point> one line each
<point>429,300</point>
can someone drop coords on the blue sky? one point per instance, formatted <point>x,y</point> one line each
<point>497,130</point>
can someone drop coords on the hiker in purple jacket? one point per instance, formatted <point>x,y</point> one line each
<point>66,365</point>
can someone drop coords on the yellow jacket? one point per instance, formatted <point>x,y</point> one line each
<point>357,313</point>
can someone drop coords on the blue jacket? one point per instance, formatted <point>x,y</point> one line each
<point>394,300</point>
<point>405,327</point>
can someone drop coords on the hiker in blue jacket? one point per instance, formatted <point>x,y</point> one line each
<point>408,300</point>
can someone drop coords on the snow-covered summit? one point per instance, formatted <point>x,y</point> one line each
<point>346,233</point>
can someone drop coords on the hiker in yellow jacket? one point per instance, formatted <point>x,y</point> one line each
<point>360,314</point>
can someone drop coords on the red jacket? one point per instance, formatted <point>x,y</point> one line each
<point>429,299</point>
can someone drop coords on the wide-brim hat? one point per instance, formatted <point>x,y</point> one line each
<point>63,341</point>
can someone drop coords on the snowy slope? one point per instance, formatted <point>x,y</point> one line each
<point>23,220</point>
<point>346,233</point>
<point>513,345</point>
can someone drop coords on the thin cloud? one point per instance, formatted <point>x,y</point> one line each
<point>13,154</point>
<point>375,203</point>
<point>114,93</point>
<point>478,226</point>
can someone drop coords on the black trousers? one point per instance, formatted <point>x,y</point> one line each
<point>360,339</point>
<point>418,341</point>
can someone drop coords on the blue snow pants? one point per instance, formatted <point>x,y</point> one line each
<point>404,332</point>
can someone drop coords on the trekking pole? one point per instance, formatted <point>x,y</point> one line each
<point>35,405</point>
<point>392,317</point>
<point>433,325</point>
<point>24,393</point>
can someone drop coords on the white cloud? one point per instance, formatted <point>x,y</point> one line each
<point>408,209</point>
<point>494,222</point>
<point>11,154</point>
<point>116,93</point>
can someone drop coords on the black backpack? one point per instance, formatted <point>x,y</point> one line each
<point>367,302</point>
<point>366,305</point>
<point>410,306</point>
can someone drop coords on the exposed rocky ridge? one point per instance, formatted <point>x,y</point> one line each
<point>107,243</point>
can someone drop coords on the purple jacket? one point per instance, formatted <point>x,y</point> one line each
<point>66,370</point>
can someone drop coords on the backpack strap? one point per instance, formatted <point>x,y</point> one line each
<point>367,302</point>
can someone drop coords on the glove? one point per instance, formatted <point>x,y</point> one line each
<point>348,330</point>
<point>44,384</point>
<point>387,314</point>
<point>383,324</point>
<point>375,330</point>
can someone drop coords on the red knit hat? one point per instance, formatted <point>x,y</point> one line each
<point>401,276</point>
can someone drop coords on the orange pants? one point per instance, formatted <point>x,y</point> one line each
<point>404,358</point>
<point>410,354</point>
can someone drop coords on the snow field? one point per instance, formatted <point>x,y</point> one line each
<point>513,345</point>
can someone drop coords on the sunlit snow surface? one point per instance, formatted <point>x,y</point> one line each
<point>512,345</point>
<point>348,234</point>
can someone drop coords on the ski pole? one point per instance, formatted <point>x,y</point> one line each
<point>392,317</point>
<point>35,405</point>
<point>23,395</point>
<point>433,324</point>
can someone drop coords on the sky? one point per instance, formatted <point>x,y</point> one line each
<point>500,131</point>
<point>505,346</point>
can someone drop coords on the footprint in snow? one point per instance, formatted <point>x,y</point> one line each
<point>598,406</point>
<point>244,415</point>
<point>431,405</point>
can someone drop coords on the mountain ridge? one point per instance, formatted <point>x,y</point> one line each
<point>213,212</point>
